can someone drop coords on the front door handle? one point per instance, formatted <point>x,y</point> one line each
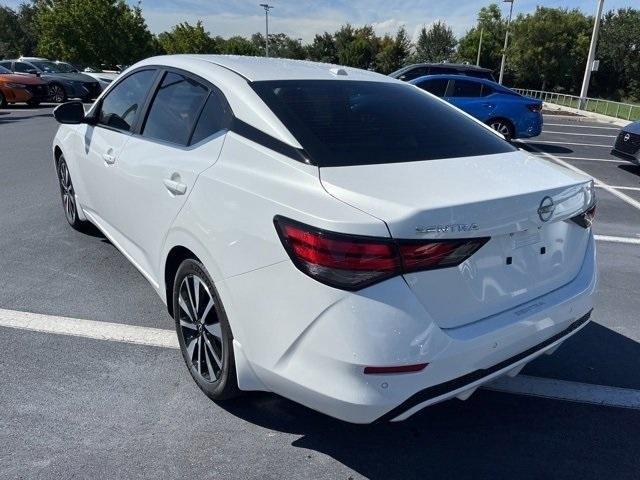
<point>109,158</point>
<point>175,187</point>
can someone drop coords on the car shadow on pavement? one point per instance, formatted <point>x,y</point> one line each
<point>492,435</point>
<point>634,169</point>
<point>544,147</point>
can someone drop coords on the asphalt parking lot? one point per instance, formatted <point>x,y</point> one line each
<point>80,407</point>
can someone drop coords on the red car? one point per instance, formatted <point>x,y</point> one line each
<point>17,88</point>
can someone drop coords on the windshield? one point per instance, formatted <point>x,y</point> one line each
<point>48,67</point>
<point>4,70</point>
<point>343,122</point>
<point>65,67</point>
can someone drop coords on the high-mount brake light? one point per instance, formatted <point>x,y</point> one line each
<point>352,262</point>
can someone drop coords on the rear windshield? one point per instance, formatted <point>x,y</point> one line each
<point>344,122</point>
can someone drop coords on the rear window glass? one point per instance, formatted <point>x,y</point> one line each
<point>463,88</point>
<point>437,87</point>
<point>344,122</point>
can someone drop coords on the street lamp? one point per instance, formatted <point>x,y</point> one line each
<point>584,91</point>
<point>506,41</point>
<point>266,18</point>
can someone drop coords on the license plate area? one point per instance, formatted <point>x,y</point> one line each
<point>525,238</point>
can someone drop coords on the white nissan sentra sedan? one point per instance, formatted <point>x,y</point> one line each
<point>329,234</point>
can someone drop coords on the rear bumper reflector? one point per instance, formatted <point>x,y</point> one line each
<point>395,369</point>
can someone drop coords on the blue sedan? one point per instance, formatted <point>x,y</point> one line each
<point>504,110</point>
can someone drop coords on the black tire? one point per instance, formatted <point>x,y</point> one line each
<point>204,334</point>
<point>502,126</point>
<point>33,103</point>
<point>57,93</point>
<point>3,101</point>
<point>67,193</point>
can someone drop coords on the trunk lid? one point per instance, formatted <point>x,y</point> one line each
<point>506,197</point>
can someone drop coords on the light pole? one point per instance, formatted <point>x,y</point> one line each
<point>584,91</point>
<point>506,42</point>
<point>479,47</point>
<point>266,19</point>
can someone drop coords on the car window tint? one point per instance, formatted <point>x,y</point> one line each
<point>6,65</point>
<point>342,123</point>
<point>175,109</point>
<point>487,90</point>
<point>121,105</point>
<point>437,87</point>
<point>214,117</point>
<point>415,73</point>
<point>22,67</point>
<point>464,88</point>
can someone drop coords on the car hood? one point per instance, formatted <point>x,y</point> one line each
<point>73,77</point>
<point>633,128</point>
<point>20,78</point>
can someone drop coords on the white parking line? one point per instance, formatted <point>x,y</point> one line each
<point>601,184</point>
<point>114,332</point>
<point>580,134</point>
<point>633,189</point>
<point>565,143</point>
<point>118,332</point>
<point>608,238</point>
<point>569,391</point>
<point>578,126</point>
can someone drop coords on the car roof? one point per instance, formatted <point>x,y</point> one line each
<point>458,66</point>
<point>261,68</point>
<point>465,78</point>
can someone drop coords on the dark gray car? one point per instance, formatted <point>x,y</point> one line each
<point>627,144</point>
<point>63,84</point>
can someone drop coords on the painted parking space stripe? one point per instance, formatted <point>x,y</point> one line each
<point>568,391</point>
<point>114,332</point>
<point>609,238</point>
<point>580,134</point>
<point>568,125</point>
<point>565,143</point>
<point>165,338</point>
<point>632,189</point>
<point>586,159</point>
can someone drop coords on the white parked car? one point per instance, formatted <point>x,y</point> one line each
<point>336,236</point>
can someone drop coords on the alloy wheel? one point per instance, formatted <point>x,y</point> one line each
<point>201,328</point>
<point>502,128</point>
<point>57,93</point>
<point>66,190</point>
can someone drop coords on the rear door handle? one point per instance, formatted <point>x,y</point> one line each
<point>175,187</point>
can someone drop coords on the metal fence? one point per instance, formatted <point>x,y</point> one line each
<point>626,111</point>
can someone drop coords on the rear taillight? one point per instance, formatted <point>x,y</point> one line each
<point>585,219</point>
<point>534,107</point>
<point>352,262</point>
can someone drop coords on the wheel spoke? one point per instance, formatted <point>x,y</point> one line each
<point>185,308</point>
<point>217,359</point>
<point>188,325</point>
<point>191,347</point>
<point>200,357</point>
<point>194,312</point>
<point>212,375</point>
<point>215,330</point>
<point>196,294</point>
<point>207,309</point>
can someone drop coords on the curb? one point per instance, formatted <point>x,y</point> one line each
<point>584,115</point>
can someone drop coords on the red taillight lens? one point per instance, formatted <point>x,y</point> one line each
<point>585,219</point>
<point>534,107</point>
<point>353,262</point>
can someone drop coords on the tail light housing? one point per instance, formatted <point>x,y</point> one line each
<point>586,218</point>
<point>352,262</point>
<point>534,107</point>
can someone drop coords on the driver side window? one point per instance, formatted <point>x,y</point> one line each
<point>122,104</point>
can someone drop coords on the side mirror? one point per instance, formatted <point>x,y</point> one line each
<point>71,113</point>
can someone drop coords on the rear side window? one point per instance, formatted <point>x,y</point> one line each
<point>215,116</point>
<point>344,122</point>
<point>414,73</point>
<point>6,65</point>
<point>120,107</point>
<point>23,67</point>
<point>175,109</point>
<point>464,88</point>
<point>487,90</point>
<point>437,87</point>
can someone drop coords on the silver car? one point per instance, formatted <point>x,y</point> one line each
<point>627,144</point>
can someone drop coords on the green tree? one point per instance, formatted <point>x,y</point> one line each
<point>17,31</point>
<point>493,26</point>
<point>357,47</point>
<point>323,49</point>
<point>280,45</point>
<point>435,44</point>
<point>92,32</point>
<point>186,38</point>
<point>394,52</point>
<point>239,46</point>
<point>548,48</point>
<point>619,52</point>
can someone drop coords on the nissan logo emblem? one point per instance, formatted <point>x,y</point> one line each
<point>546,208</point>
<point>627,137</point>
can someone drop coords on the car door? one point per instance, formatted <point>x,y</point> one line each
<point>467,96</point>
<point>182,135</point>
<point>114,120</point>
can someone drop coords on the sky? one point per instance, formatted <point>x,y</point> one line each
<point>304,18</point>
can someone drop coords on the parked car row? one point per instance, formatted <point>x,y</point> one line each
<point>33,80</point>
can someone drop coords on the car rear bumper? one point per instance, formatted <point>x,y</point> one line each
<point>319,342</point>
<point>529,126</point>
